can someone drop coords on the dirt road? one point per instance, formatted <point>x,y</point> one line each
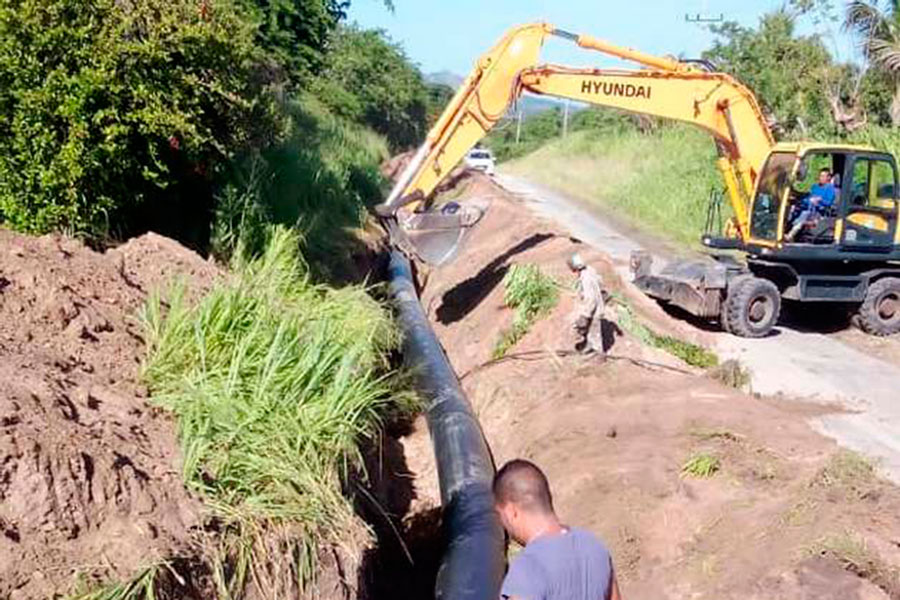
<point>796,364</point>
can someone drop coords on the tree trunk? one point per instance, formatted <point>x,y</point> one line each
<point>895,103</point>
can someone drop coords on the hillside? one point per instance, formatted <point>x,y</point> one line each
<point>660,181</point>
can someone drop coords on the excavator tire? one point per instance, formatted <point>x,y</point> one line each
<point>879,313</point>
<point>752,307</point>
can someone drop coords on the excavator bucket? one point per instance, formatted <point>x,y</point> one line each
<point>433,236</point>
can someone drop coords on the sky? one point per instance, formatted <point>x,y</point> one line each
<point>448,35</point>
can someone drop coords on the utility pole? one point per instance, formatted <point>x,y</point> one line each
<point>566,118</point>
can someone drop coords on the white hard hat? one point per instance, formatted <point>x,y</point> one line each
<point>576,263</point>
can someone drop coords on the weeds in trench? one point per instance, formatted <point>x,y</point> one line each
<point>532,294</point>
<point>849,473</point>
<point>692,354</point>
<point>142,586</point>
<point>732,373</point>
<point>274,382</point>
<point>701,465</point>
<point>854,555</point>
<point>717,434</point>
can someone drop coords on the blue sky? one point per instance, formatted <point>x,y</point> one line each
<point>450,34</point>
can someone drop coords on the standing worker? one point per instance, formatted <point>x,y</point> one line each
<point>558,562</point>
<point>588,317</point>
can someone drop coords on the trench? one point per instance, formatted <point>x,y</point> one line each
<point>457,550</point>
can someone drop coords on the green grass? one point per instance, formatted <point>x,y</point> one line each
<point>701,465</point>
<point>659,181</point>
<point>531,294</point>
<point>274,382</point>
<point>692,354</point>
<point>321,179</point>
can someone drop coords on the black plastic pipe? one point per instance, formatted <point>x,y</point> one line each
<point>473,563</point>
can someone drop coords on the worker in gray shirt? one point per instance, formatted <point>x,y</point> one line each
<point>558,562</point>
<point>588,316</point>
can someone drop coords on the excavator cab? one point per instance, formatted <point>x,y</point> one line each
<point>862,216</point>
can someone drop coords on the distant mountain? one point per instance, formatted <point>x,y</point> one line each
<point>447,78</point>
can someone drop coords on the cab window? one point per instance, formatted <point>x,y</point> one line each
<point>808,173</point>
<point>773,181</point>
<point>874,184</point>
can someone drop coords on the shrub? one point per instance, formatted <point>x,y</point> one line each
<point>107,107</point>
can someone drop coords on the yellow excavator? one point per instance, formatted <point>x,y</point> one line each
<point>847,254</point>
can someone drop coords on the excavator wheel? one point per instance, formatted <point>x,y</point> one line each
<point>751,307</point>
<point>879,313</point>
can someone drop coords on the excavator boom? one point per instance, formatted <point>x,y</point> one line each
<point>665,87</point>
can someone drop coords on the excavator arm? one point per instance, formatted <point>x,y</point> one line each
<point>667,88</point>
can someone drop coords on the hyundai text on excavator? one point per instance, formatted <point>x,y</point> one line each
<point>850,255</point>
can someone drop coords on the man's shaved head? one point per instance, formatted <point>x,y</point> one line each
<point>522,483</point>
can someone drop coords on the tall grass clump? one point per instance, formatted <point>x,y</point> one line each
<point>659,181</point>
<point>701,465</point>
<point>531,294</point>
<point>274,382</point>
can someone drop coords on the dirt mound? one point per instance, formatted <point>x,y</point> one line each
<point>784,514</point>
<point>90,482</point>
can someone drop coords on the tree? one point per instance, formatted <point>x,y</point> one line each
<point>439,95</point>
<point>108,107</point>
<point>370,80</point>
<point>878,27</point>
<point>296,33</point>
<point>789,74</point>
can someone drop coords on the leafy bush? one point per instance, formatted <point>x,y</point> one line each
<point>531,294</point>
<point>296,33</point>
<point>370,80</point>
<point>274,381</point>
<point>108,108</point>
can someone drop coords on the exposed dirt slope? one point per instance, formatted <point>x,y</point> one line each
<point>90,479</point>
<point>785,516</point>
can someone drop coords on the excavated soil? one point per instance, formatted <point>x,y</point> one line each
<point>90,482</point>
<point>783,517</point>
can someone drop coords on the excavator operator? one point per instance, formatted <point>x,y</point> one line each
<point>819,201</point>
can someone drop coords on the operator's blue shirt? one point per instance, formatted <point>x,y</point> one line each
<point>825,192</point>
